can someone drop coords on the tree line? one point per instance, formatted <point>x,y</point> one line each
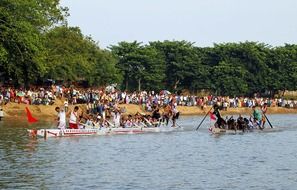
<point>37,44</point>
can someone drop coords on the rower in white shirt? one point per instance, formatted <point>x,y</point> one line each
<point>61,118</point>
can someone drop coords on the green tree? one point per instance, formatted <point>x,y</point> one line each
<point>229,79</point>
<point>104,71</point>
<point>153,73</point>
<point>178,57</point>
<point>72,56</point>
<point>282,68</point>
<point>142,66</point>
<point>69,55</point>
<point>198,72</point>
<point>127,56</point>
<point>250,56</point>
<point>22,23</point>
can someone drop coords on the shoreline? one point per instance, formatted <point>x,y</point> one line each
<point>47,112</point>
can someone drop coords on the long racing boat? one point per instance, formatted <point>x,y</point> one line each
<point>218,131</point>
<point>46,133</point>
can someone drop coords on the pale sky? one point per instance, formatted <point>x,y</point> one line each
<point>201,21</point>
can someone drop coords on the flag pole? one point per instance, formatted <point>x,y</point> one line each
<point>203,119</point>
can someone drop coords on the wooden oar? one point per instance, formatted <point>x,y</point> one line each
<point>267,120</point>
<point>113,126</point>
<point>203,119</point>
<point>148,121</point>
<point>144,125</point>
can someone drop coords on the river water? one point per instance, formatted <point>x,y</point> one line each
<point>176,160</point>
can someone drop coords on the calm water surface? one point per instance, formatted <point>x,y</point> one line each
<point>175,160</point>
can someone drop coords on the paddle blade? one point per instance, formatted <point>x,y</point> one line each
<point>30,118</point>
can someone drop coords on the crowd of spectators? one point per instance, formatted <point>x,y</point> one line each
<point>147,99</point>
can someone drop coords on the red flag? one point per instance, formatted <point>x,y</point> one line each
<point>212,116</point>
<point>31,119</point>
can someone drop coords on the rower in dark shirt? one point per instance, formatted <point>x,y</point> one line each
<point>220,123</point>
<point>156,114</point>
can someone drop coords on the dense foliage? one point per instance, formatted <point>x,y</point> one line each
<point>72,56</point>
<point>36,44</point>
<point>225,69</point>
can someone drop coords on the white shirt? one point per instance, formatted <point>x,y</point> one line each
<point>62,117</point>
<point>73,118</point>
<point>174,109</point>
<point>116,119</point>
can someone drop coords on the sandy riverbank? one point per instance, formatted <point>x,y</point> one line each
<point>42,112</point>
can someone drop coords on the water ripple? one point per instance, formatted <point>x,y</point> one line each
<point>180,160</point>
